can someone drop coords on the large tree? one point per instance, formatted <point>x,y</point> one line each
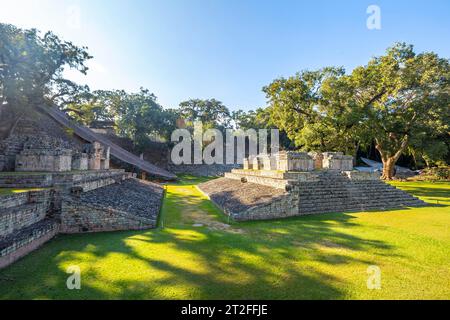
<point>211,112</point>
<point>399,100</point>
<point>32,65</point>
<point>405,101</point>
<point>137,116</point>
<point>301,106</point>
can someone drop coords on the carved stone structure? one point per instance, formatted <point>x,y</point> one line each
<point>337,161</point>
<point>318,159</point>
<point>258,163</point>
<point>269,162</point>
<point>294,161</point>
<point>80,162</point>
<point>302,184</point>
<point>98,157</point>
<point>32,160</point>
<point>41,153</point>
<point>248,163</point>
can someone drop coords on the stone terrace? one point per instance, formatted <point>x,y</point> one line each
<point>294,184</point>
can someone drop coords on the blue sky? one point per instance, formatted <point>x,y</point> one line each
<point>228,49</point>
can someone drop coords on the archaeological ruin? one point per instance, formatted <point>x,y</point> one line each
<point>291,184</point>
<point>66,185</point>
<point>71,180</point>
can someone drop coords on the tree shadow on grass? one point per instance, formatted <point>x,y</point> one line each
<point>270,260</point>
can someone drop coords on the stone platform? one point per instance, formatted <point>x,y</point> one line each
<point>88,180</point>
<point>72,202</point>
<point>260,195</point>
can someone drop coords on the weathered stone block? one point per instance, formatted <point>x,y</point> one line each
<point>2,162</point>
<point>247,164</point>
<point>294,161</point>
<point>318,159</point>
<point>258,163</point>
<point>35,160</point>
<point>269,162</point>
<point>337,161</point>
<point>80,162</point>
<point>99,157</point>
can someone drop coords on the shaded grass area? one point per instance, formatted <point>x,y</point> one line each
<point>315,257</point>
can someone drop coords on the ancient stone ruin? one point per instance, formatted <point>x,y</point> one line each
<point>294,183</point>
<point>71,190</point>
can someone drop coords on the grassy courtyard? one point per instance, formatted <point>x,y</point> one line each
<point>317,257</point>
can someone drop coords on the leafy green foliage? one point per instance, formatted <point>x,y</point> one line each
<point>211,112</point>
<point>398,100</point>
<point>31,65</point>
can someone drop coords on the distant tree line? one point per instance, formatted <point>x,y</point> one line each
<point>398,104</point>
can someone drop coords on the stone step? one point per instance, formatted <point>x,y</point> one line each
<point>356,196</point>
<point>345,190</point>
<point>347,205</point>
<point>359,206</point>
<point>336,201</point>
<point>353,194</point>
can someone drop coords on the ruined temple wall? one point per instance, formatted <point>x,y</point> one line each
<point>40,161</point>
<point>23,210</point>
<point>13,200</point>
<point>24,225</point>
<point>14,247</point>
<point>47,180</point>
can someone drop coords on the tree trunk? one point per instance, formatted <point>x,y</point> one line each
<point>388,168</point>
<point>390,159</point>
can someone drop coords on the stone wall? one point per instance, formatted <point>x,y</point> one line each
<point>23,210</point>
<point>90,201</point>
<point>47,180</point>
<point>2,162</point>
<point>13,200</point>
<point>24,223</point>
<point>80,162</point>
<point>41,160</point>
<point>16,246</point>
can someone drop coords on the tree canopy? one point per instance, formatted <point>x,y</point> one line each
<point>32,65</point>
<point>400,100</point>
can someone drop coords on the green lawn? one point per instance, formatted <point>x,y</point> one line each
<point>317,257</point>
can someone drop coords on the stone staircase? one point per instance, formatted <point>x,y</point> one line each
<point>334,192</point>
<point>241,192</point>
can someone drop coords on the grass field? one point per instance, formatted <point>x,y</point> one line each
<point>316,257</point>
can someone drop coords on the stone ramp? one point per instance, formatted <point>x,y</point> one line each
<point>116,151</point>
<point>233,196</point>
<point>129,205</point>
<point>303,194</point>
